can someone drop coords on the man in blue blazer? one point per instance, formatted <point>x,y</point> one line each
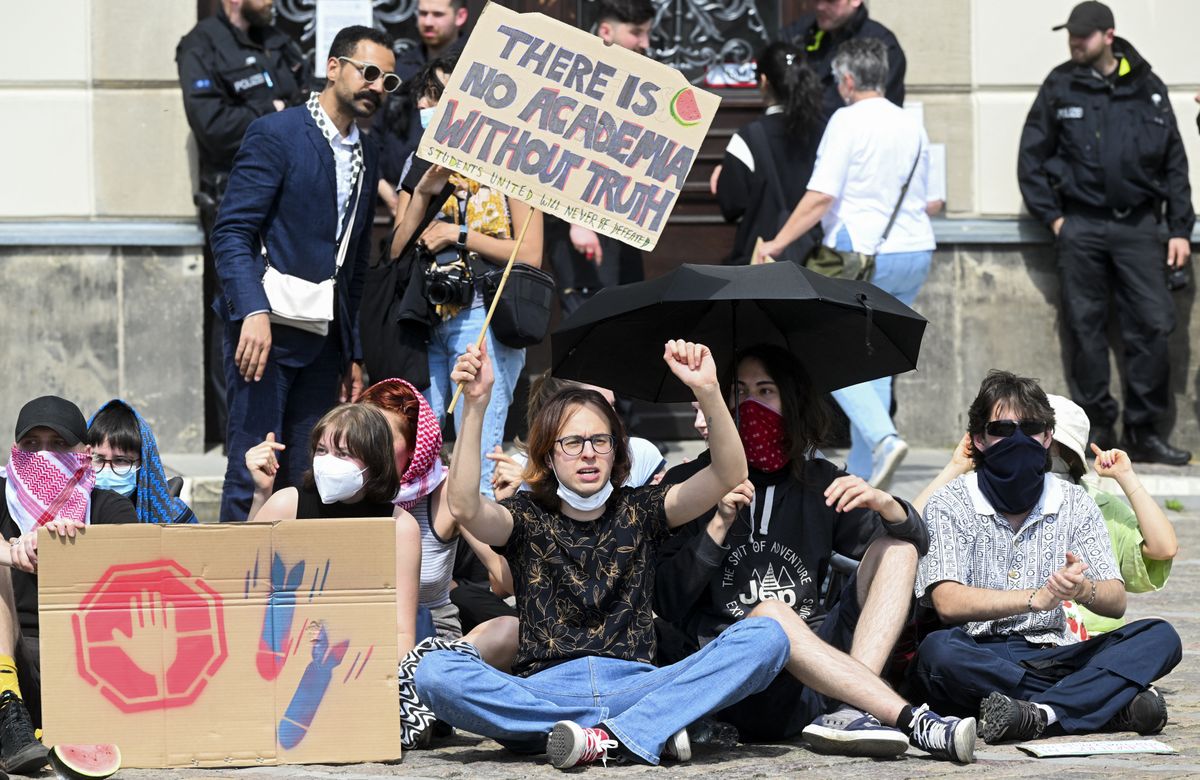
<point>291,245</point>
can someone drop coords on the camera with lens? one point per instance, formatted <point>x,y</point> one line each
<point>444,283</point>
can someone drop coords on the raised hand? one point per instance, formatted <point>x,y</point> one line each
<point>152,642</point>
<point>263,463</point>
<point>433,181</point>
<point>473,370</point>
<point>507,476</point>
<point>692,363</point>
<point>1111,463</point>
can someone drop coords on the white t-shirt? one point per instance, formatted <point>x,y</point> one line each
<point>864,157</point>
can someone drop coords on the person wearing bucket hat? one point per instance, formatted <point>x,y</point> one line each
<point>1102,165</point>
<point>1143,539</point>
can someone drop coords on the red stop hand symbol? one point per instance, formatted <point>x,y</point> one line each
<point>149,635</point>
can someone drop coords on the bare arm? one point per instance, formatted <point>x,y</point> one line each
<point>1158,535</point>
<point>408,580</point>
<point>488,521</point>
<point>280,506</point>
<point>499,574</point>
<point>958,603</point>
<point>805,216</point>
<point>960,463</point>
<point>410,209</point>
<point>694,365</point>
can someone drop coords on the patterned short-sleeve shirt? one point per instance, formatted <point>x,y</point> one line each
<point>972,543</point>
<point>585,588</point>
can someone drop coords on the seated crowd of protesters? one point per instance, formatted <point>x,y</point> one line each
<point>578,599</point>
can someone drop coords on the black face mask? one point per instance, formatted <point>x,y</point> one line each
<point>1010,475</point>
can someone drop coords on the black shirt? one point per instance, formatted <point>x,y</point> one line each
<point>779,549</point>
<point>1105,143</point>
<point>585,588</point>
<point>106,507</point>
<point>310,507</point>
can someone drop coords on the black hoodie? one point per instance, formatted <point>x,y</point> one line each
<point>779,548</point>
<point>1105,142</point>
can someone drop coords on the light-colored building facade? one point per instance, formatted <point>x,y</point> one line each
<point>100,263</point>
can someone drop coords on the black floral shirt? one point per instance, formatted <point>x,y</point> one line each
<point>585,588</point>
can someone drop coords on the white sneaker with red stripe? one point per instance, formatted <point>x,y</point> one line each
<point>571,745</point>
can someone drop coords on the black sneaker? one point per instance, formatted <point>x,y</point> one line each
<point>1146,714</point>
<point>20,751</point>
<point>1002,718</point>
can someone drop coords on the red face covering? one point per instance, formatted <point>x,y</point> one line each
<point>763,437</point>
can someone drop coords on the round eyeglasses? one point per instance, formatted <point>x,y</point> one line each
<point>602,444</point>
<point>371,74</point>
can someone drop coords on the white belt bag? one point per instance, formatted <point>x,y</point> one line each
<point>299,303</point>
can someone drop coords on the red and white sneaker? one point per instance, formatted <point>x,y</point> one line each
<point>571,745</point>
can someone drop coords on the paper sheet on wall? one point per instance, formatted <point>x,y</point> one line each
<point>333,15</point>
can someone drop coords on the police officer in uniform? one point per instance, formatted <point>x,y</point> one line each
<point>234,67</point>
<point>1102,164</point>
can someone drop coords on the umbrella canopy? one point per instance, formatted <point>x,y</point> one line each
<point>843,332</point>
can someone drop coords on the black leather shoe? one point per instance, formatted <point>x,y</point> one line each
<point>1104,437</point>
<point>1145,446</point>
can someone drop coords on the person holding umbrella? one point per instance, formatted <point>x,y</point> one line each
<point>582,551</point>
<point>766,549</point>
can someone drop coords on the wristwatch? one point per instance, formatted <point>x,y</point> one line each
<point>462,236</point>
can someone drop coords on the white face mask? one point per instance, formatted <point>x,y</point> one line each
<point>336,479</point>
<point>578,502</point>
<point>427,115</point>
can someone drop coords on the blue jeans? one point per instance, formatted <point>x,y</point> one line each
<point>639,704</point>
<point>448,341</point>
<point>868,404</point>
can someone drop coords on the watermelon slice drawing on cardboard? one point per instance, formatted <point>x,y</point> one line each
<point>684,108</point>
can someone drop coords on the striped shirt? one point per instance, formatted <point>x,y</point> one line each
<point>437,560</point>
<point>973,544</point>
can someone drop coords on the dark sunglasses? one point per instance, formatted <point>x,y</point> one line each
<point>1002,429</point>
<point>371,74</point>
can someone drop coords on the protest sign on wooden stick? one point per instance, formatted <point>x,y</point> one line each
<point>585,131</point>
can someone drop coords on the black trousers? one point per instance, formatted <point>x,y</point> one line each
<point>1127,259</point>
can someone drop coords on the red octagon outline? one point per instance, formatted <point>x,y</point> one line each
<point>94,602</point>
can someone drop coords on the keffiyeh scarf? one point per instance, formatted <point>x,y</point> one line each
<point>42,486</point>
<point>425,470</point>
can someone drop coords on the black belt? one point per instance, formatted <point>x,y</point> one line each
<point>1102,212</point>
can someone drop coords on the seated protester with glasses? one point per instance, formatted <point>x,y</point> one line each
<point>49,483</point>
<point>1008,543</point>
<point>126,461</point>
<point>582,551</point>
<point>473,235</point>
<point>353,475</point>
<point>765,549</point>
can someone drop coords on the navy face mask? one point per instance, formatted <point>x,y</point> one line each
<point>1010,475</point>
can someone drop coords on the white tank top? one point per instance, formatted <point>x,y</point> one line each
<point>437,560</point>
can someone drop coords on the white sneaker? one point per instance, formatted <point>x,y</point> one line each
<point>884,460</point>
<point>851,732</point>
<point>678,747</point>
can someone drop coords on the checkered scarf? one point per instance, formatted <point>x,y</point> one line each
<point>154,501</point>
<point>42,486</point>
<point>425,470</point>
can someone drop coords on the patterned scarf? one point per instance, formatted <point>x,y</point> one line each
<point>45,485</point>
<point>425,470</point>
<point>153,498</point>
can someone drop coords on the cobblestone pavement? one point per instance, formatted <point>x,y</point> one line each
<point>471,757</point>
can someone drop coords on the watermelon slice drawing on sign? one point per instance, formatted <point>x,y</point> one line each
<point>684,109</point>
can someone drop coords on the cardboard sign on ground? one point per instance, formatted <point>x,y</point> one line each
<point>551,115</point>
<point>219,645</point>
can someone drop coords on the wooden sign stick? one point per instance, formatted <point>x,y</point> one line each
<point>512,258</point>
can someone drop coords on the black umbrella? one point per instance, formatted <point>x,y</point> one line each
<point>843,332</point>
